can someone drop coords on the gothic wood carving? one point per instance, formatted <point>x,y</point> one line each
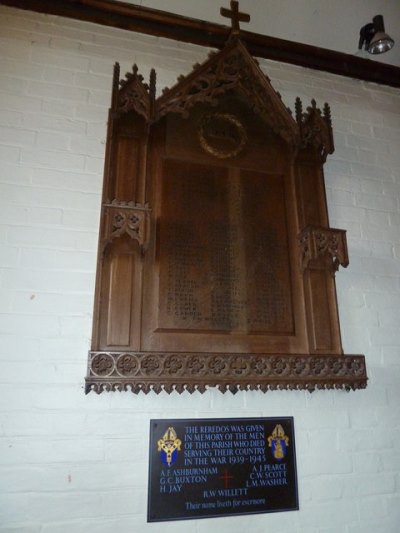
<point>216,264</point>
<point>126,219</point>
<point>324,248</point>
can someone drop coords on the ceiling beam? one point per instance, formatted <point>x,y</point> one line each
<point>163,24</point>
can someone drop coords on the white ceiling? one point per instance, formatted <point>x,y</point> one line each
<point>333,24</point>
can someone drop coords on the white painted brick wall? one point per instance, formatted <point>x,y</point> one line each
<point>71,463</point>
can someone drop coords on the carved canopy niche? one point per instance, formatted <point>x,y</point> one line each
<point>216,262</point>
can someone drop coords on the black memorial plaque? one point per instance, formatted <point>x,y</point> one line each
<point>203,468</point>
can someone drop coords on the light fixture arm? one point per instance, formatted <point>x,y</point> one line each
<point>366,34</point>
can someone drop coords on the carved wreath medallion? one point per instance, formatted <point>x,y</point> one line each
<point>222,135</point>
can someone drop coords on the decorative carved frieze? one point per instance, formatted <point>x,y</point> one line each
<point>144,371</point>
<point>323,248</point>
<point>204,84</point>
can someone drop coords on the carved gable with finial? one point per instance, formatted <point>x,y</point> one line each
<point>216,263</point>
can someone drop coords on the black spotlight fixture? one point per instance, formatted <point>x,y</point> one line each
<point>374,38</point>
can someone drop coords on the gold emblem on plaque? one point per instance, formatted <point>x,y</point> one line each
<point>169,446</point>
<point>278,442</point>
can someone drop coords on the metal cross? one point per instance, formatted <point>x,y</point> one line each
<point>235,15</point>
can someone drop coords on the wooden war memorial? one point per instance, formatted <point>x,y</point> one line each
<point>216,262</point>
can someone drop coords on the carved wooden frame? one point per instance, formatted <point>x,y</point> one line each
<point>135,110</point>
